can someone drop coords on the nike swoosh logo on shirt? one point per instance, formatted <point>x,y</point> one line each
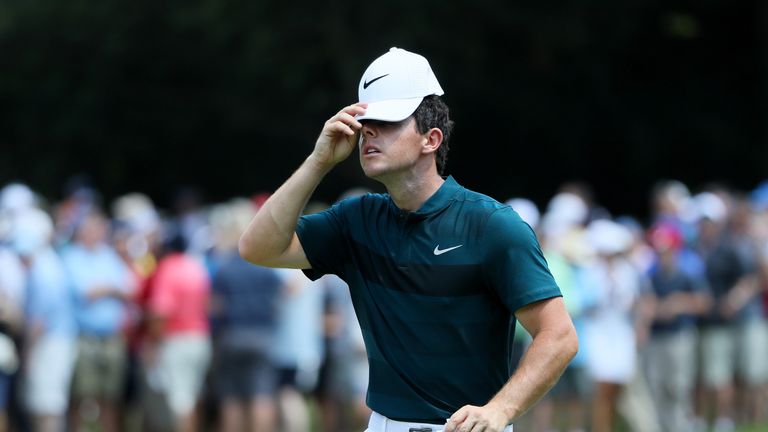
<point>367,83</point>
<point>439,251</point>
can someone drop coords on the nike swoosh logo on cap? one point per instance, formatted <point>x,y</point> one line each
<point>367,83</point>
<point>439,251</point>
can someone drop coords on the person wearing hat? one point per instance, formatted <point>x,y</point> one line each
<point>438,274</point>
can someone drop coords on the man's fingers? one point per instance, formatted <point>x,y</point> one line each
<point>345,118</point>
<point>355,109</point>
<point>350,120</point>
<point>331,129</point>
<point>456,420</point>
<point>479,427</point>
<point>460,415</point>
<point>340,127</point>
<point>347,115</point>
<point>468,424</point>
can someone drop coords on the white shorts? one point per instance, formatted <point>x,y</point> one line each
<point>184,361</point>
<point>379,423</point>
<point>46,381</point>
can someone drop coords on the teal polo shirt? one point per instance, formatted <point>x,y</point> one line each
<point>435,291</point>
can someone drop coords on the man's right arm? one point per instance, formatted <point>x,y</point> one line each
<point>270,239</point>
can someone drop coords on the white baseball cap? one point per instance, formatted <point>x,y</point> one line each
<point>32,230</point>
<point>526,209</point>
<point>608,237</point>
<point>395,84</point>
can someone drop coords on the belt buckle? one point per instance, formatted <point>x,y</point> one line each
<point>420,429</point>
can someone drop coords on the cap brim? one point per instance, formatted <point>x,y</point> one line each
<point>392,110</point>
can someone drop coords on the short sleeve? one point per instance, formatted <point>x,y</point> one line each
<point>322,238</point>
<point>162,301</point>
<point>514,265</point>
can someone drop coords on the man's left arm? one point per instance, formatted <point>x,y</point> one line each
<point>554,345</point>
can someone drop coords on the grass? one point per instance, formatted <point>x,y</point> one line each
<point>759,428</point>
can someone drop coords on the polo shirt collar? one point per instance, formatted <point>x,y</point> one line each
<point>437,202</point>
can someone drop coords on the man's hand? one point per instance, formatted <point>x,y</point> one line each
<point>554,344</point>
<point>98,292</point>
<point>488,418</point>
<point>337,139</point>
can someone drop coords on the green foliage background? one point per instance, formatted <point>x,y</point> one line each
<point>230,94</point>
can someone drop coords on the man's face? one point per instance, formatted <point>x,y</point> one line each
<point>389,148</point>
<point>93,231</point>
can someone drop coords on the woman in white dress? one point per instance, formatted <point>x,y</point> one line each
<point>609,334</point>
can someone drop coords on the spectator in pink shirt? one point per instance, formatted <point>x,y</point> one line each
<point>178,347</point>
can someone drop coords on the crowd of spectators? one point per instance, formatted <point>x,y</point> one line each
<point>671,313</point>
<point>124,317</point>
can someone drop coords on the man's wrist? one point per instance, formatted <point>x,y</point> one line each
<point>509,411</point>
<point>318,167</point>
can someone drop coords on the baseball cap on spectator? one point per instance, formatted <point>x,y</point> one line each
<point>16,196</point>
<point>665,236</point>
<point>567,208</point>
<point>671,196</point>
<point>137,212</point>
<point>32,229</point>
<point>526,209</point>
<point>561,226</point>
<point>710,206</point>
<point>608,238</point>
<point>394,85</point>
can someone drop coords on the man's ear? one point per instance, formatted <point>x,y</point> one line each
<point>434,138</point>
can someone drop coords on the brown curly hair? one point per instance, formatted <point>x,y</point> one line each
<point>434,113</point>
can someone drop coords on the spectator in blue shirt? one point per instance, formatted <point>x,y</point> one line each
<point>102,285</point>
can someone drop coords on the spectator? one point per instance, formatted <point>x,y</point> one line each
<point>244,310</point>
<point>136,228</point>
<point>102,285</point>
<point>568,396</point>
<point>12,295</point>
<point>609,335</point>
<point>734,334</point>
<point>80,199</point>
<point>299,352</point>
<point>671,353</point>
<point>177,349</point>
<point>136,234</point>
<point>343,381</point>
<point>50,327</point>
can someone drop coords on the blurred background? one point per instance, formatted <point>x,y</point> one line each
<point>147,96</point>
<point>137,138</point>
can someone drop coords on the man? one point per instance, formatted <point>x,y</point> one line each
<point>437,273</point>
<point>244,304</point>
<point>678,298</point>
<point>50,327</point>
<point>102,285</point>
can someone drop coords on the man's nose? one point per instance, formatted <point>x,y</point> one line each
<point>369,129</point>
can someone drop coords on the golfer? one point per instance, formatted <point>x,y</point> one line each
<point>439,275</point>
